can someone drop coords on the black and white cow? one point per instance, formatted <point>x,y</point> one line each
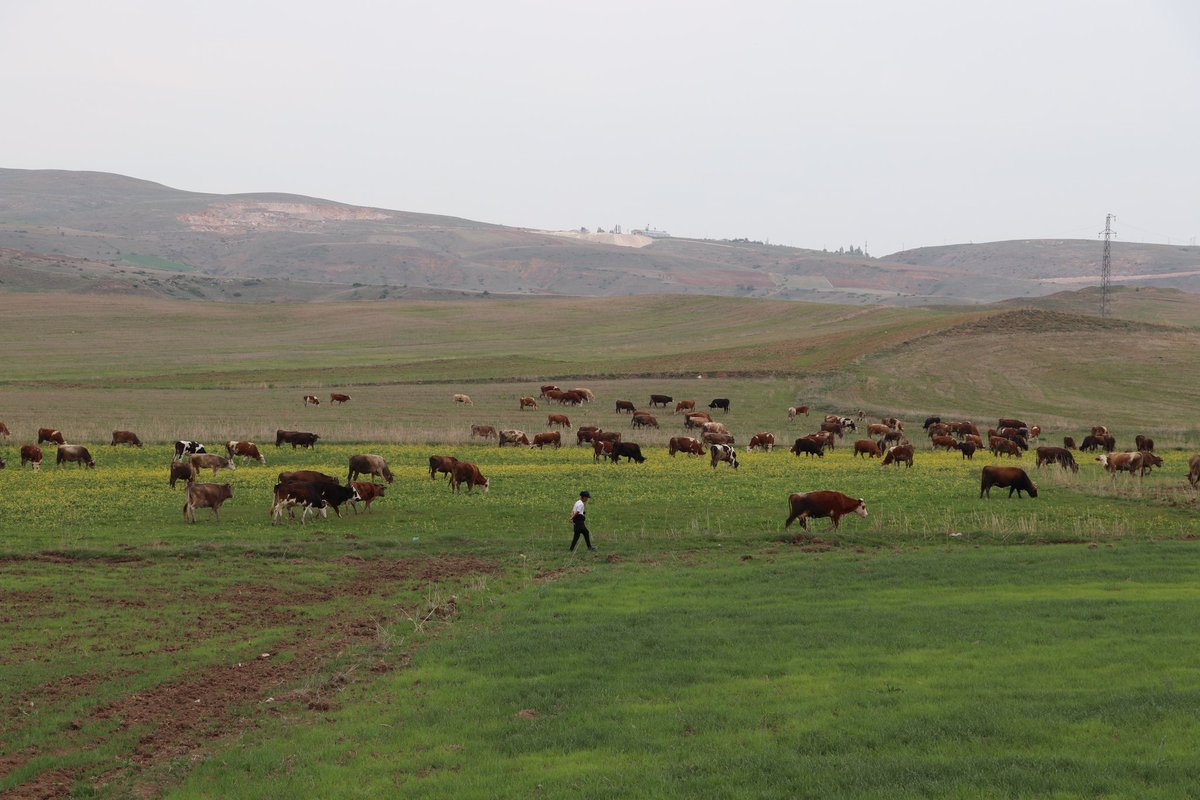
<point>184,448</point>
<point>723,452</point>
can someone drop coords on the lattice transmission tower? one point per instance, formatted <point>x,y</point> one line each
<point>1106,263</point>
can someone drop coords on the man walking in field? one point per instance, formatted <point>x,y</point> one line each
<point>579,520</point>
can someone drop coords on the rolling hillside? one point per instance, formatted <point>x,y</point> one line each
<point>85,232</point>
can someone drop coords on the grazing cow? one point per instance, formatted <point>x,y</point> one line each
<point>606,436</point>
<point>1012,478</point>
<point>1069,442</point>
<point>963,428</point>
<point>835,428</point>
<point>814,505</point>
<point>74,453</point>
<point>211,461</point>
<point>968,450</point>
<point>468,473</point>
<point>4,429</point>
<point>808,447</point>
<point>795,411</point>
<point>181,471</point>
<point>561,420</point>
<point>584,433</point>
<point>572,397</point>
<point>464,399</point>
<point>630,450</point>
<point>246,450</point>
<point>764,441</point>
<point>185,448</point>
<point>368,464</point>
<point>1144,443</point>
<point>126,437</point>
<point>306,476</point>
<point>587,394</point>
<point>661,400</point>
<point>540,440</point>
<point>713,437</point>
<point>601,449</point>
<point>938,429</point>
<point>513,437</point>
<point>892,422</point>
<point>337,397</point>
<point>526,402</point>
<point>294,438</point>
<point>696,420</point>
<point>893,437</point>
<point>483,431</point>
<point>931,421</point>
<point>1001,446</point>
<point>366,493</point>
<point>554,394</point>
<point>549,387</point>
<point>50,436</point>
<point>866,448</point>
<point>311,400</point>
<point>947,442</point>
<point>900,454</point>
<point>685,405</point>
<point>205,495</point>
<point>1108,443</point>
<point>625,405</point>
<point>643,420</point>
<point>725,453</point>
<point>878,429</point>
<point>1009,422</point>
<point>1056,455</point>
<point>685,444</point>
<point>31,454</point>
<point>441,464</point>
<point>721,403</point>
<point>1193,475</point>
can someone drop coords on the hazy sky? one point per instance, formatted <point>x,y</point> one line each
<point>806,123</point>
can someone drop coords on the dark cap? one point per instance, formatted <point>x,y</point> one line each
<point>585,494</point>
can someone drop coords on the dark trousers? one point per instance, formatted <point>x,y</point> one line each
<point>581,530</point>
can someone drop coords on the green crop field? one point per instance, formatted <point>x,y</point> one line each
<point>448,645</point>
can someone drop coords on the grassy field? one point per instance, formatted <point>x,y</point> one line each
<point>448,645</point>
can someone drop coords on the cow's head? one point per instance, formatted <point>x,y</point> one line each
<point>861,508</point>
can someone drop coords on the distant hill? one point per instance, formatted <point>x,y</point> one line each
<point>89,232</point>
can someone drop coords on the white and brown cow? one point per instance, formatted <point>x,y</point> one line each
<point>245,450</point>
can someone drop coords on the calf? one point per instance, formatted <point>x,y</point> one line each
<point>721,403</point>
<point>542,439</point>
<point>468,473</point>
<point>31,454</point>
<point>311,400</point>
<point>1012,478</point>
<point>763,441</point>
<point>561,420</point>
<point>643,420</point>
<point>630,450</point>
<point>808,447</point>
<point>835,505</point>
<point>968,450</point>
<point>464,399</point>
<point>126,437</point>
<point>483,431</point>
<point>1144,443</point>
<point>74,453</point>
<point>685,444</point>
<point>211,461</point>
<point>900,454</point>
<point>368,464</point>
<point>205,495</point>
<point>50,436</point>
<point>866,448</point>
<point>337,397</point>
<point>723,453</point>
<point>287,495</point>
<point>795,411</point>
<point>366,492</point>
<point>685,405</point>
<point>1056,455</point>
<point>624,406</point>
<point>182,471</point>
<point>183,448</point>
<point>441,464</point>
<point>246,450</point>
<point>1069,442</point>
<point>526,402</point>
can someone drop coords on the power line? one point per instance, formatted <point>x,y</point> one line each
<point>1106,263</point>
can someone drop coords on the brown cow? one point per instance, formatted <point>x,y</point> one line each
<point>1001,446</point>
<point>310,400</point>
<point>561,420</point>
<point>947,442</point>
<point>584,433</point>
<point>441,464</point>
<point>306,476</point>
<point>766,441</point>
<point>549,387</point>
<point>572,397</point>
<point>892,422</point>
<point>963,428</point>
<point>553,394</point>
<point>643,420</point>
<point>468,473</point>
<point>366,492</point>
<point>1056,455</point>
<point>245,450</point>
<point>795,411</point>
<point>368,464</point>
<point>1012,478</point>
<point>1069,442</point>
<point>50,436</point>
<point>685,405</point>
<point>714,427</point>
<point>833,427</point>
<point>878,429</point>
<point>1193,469</point>
<point>866,448</point>
<point>483,431</point>
<point>464,399</point>
<point>606,436</point>
<point>4,429</point>
<point>181,471</point>
<point>540,440</point>
<point>211,461</point>
<point>526,402</point>
<point>31,454</point>
<point>968,450</point>
<point>294,438</point>
<point>813,505</point>
<point>126,437</point>
<point>661,399</point>
<point>513,437</point>
<point>900,454</point>
<point>1144,443</point>
<point>717,438</point>
<point>74,453</point>
<point>601,449</point>
<point>685,444</point>
<point>1010,422</point>
<point>587,394</point>
<point>205,495</point>
<point>625,405</point>
<point>337,397</point>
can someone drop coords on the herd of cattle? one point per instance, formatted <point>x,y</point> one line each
<point>317,492</point>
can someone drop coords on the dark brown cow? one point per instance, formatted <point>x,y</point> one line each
<point>561,420</point>
<point>584,433</point>
<point>205,495</point>
<point>661,400</point>
<point>31,454</point>
<point>126,437</point>
<point>1012,478</point>
<point>540,440</point>
<point>1056,455</point>
<point>893,437</point>
<point>833,427</point>
<point>526,402</point>
<point>963,428</point>
<point>1069,442</point>
<point>337,397</point>
<point>795,411</point>
<point>1001,446</point>
<point>763,441</point>
<point>549,387</point>
<point>808,447</point>
<point>900,454</point>
<point>968,450</point>
<point>311,400</point>
<point>74,453</point>
<point>468,473</point>
<point>643,420</point>
<point>685,405</point>
<point>1193,475</point>
<point>685,444</point>
<point>294,438</point>
<point>306,476</point>
<point>866,448</point>
<point>625,405</point>
<point>601,449</point>
<point>712,437</point>
<point>1009,422</point>
<point>483,431</point>
<point>366,492</point>
<point>441,464</point>
<point>1094,442</point>
<point>946,442</point>
<point>606,436</point>
<point>630,450</point>
<point>245,450</point>
<point>572,397</point>
<point>814,505</point>
<point>368,464</point>
<point>299,493</point>
<point>1144,443</point>
<point>181,471</point>
<point>50,436</point>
